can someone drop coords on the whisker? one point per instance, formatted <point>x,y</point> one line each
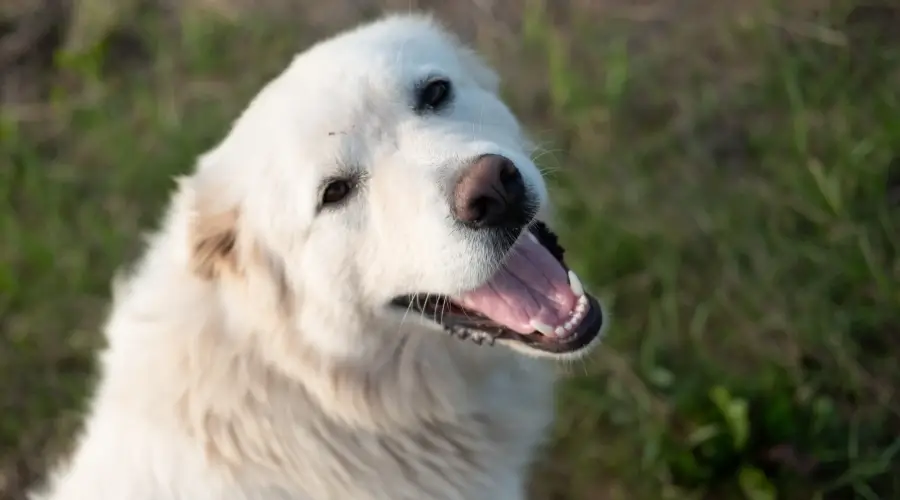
<point>445,306</point>
<point>423,307</point>
<point>406,313</point>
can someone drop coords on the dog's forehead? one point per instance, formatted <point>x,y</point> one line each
<point>385,58</point>
<point>405,39</point>
<point>363,82</point>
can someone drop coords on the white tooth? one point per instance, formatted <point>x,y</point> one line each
<point>575,284</point>
<point>580,307</point>
<point>541,327</point>
<point>570,325</point>
<point>560,331</point>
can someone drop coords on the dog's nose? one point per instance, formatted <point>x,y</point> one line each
<point>491,193</point>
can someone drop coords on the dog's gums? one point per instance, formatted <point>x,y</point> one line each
<point>534,300</point>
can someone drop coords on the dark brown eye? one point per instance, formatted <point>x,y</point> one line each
<point>433,95</point>
<point>336,191</point>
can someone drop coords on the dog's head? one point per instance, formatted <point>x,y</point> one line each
<point>380,183</point>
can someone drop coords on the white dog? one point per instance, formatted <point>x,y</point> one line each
<point>308,321</point>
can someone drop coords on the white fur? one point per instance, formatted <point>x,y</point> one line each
<point>250,354</point>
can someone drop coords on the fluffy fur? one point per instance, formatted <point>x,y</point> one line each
<point>250,354</point>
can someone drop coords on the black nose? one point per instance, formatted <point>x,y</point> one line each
<point>491,193</point>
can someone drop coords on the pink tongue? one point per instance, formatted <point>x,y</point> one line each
<point>531,286</point>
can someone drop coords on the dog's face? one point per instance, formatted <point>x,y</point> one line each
<point>383,184</point>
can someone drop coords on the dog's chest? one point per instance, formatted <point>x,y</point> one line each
<point>442,460</point>
<point>481,453</point>
<point>481,457</point>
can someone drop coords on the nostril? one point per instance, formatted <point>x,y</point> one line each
<point>485,211</point>
<point>511,182</point>
<point>478,209</point>
<point>508,170</point>
<point>509,179</point>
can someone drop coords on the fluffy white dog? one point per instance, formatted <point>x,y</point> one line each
<point>351,297</point>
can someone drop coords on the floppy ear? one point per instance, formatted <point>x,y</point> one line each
<point>213,243</point>
<point>214,192</point>
<point>212,227</point>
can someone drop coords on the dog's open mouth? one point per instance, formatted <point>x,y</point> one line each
<point>533,300</point>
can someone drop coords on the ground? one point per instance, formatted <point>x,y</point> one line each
<point>730,182</point>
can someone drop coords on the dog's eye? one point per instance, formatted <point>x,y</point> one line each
<point>336,191</point>
<point>433,95</point>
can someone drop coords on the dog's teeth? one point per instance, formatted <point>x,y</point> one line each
<point>541,327</point>
<point>581,311</point>
<point>560,331</point>
<point>581,307</point>
<point>575,284</point>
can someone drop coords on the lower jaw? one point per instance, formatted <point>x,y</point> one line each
<point>584,336</point>
<point>483,332</point>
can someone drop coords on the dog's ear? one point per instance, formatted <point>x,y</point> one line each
<point>212,231</point>
<point>213,243</point>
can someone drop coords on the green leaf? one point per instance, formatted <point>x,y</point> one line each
<point>755,485</point>
<point>703,434</point>
<point>735,413</point>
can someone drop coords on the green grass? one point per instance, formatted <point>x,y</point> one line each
<point>736,203</point>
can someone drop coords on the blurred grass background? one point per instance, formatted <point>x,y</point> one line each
<point>728,174</point>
